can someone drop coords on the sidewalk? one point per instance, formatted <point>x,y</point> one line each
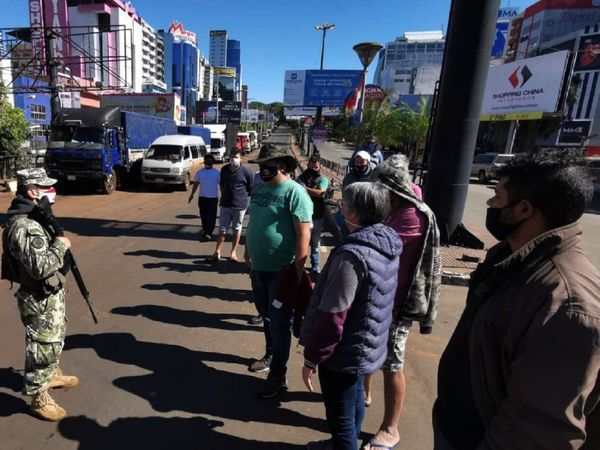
<point>457,262</point>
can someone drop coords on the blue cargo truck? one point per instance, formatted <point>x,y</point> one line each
<point>195,130</point>
<point>102,145</point>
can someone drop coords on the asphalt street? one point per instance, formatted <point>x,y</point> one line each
<point>166,366</point>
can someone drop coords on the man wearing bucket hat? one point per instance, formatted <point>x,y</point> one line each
<point>34,259</point>
<point>278,235</point>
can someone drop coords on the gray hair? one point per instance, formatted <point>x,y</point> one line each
<point>395,168</point>
<point>369,200</point>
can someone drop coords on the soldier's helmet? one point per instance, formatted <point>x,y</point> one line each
<point>35,176</point>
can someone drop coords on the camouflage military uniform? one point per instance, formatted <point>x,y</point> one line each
<point>43,315</point>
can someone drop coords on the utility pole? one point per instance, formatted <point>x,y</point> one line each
<point>52,71</point>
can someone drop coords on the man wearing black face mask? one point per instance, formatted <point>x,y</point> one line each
<point>361,170</point>
<point>316,186</point>
<point>278,235</point>
<point>521,369</point>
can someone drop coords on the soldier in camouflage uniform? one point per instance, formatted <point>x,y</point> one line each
<point>37,258</point>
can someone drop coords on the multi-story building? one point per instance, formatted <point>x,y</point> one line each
<point>217,54</point>
<point>547,20</point>
<point>205,78</point>
<point>234,59</point>
<point>411,63</point>
<point>127,52</point>
<point>183,74</point>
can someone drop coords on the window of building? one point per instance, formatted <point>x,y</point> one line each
<point>38,112</point>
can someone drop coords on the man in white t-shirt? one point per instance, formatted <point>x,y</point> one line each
<point>207,179</point>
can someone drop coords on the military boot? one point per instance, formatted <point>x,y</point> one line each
<point>60,381</point>
<point>44,406</point>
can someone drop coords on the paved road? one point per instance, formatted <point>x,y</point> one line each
<point>475,208</point>
<point>166,366</point>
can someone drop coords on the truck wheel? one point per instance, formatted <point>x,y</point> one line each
<point>482,177</point>
<point>186,184</point>
<point>110,184</point>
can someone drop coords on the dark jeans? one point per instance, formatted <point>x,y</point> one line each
<point>208,214</point>
<point>264,285</point>
<point>280,323</point>
<point>344,406</point>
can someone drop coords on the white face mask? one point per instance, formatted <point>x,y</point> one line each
<point>50,194</point>
<point>235,162</point>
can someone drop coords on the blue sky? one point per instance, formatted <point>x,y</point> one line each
<point>279,35</point>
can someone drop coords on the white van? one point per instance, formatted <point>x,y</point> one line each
<point>173,159</point>
<point>217,142</point>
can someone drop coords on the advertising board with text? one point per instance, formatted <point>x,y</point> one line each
<point>250,115</point>
<point>209,112</point>
<point>574,132</point>
<point>319,87</point>
<point>161,105</point>
<point>531,85</point>
<point>305,111</point>
<point>588,56</point>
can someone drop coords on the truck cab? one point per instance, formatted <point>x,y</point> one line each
<point>218,146</point>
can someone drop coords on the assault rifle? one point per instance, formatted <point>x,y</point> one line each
<point>43,213</point>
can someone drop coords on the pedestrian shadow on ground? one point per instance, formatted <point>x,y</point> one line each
<point>208,292</point>
<point>187,216</point>
<point>10,405</point>
<point>161,254</point>
<point>180,380</point>
<point>118,228</point>
<point>11,379</point>
<point>154,433</point>
<point>201,265</point>
<point>189,318</point>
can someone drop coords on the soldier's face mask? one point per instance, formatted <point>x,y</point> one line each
<point>48,193</point>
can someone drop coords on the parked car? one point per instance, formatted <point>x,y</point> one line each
<point>485,165</point>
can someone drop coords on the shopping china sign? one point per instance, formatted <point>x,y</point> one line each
<point>176,30</point>
<point>525,89</point>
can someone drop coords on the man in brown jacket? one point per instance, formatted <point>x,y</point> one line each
<point>521,369</point>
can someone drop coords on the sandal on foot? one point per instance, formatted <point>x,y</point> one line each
<point>374,445</point>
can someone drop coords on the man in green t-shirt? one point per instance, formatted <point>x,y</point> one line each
<point>278,235</point>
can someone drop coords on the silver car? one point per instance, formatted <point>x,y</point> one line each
<point>485,165</point>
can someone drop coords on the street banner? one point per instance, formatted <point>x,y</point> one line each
<point>211,112</point>
<point>319,87</point>
<point>525,86</point>
<point>574,132</point>
<point>588,56</point>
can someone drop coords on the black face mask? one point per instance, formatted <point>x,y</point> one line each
<point>496,227</point>
<point>361,170</point>
<point>267,173</point>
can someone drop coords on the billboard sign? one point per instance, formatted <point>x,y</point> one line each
<point>319,87</point>
<point>374,93</point>
<point>176,30</point>
<point>70,99</point>
<point>508,12</point>
<point>160,105</point>
<point>525,86</point>
<point>305,111</point>
<point>211,112</point>
<point>224,72</point>
<point>588,56</point>
<point>250,115</point>
<point>574,132</point>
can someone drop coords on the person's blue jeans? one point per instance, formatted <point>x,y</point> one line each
<point>280,325</point>
<point>264,286</point>
<point>315,244</point>
<point>344,406</point>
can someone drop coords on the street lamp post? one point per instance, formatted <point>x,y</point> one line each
<point>323,28</point>
<point>366,51</point>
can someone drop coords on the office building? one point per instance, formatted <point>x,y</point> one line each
<point>234,59</point>
<point>217,54</point>
<point>411,64</point>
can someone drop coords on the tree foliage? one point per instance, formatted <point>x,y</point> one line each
<point>14,131</point>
